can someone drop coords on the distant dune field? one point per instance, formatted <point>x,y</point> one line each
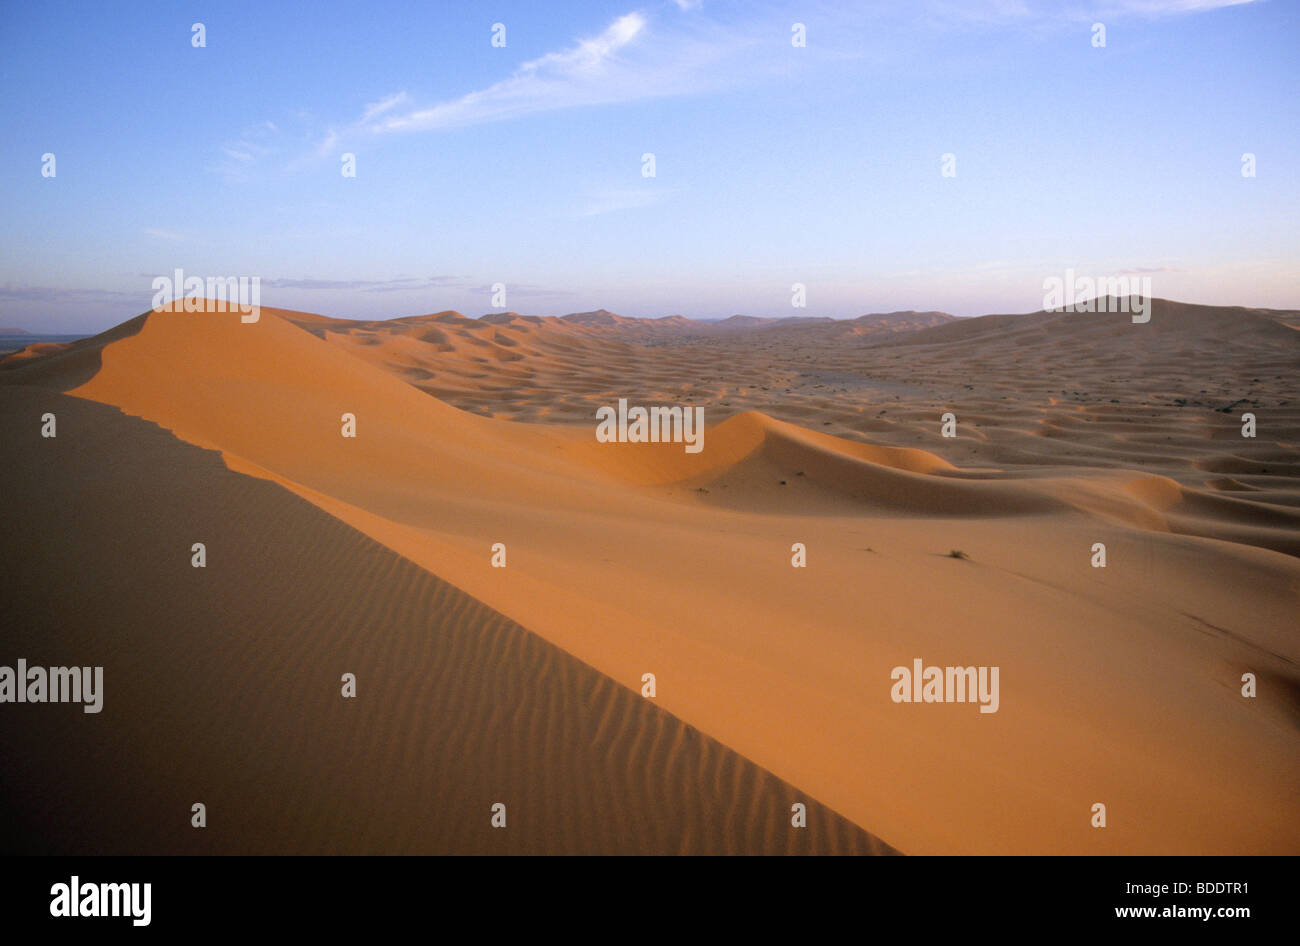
<point>523,684</point>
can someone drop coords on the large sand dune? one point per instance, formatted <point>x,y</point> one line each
<point>223,684</point>
<point>1119,685</point>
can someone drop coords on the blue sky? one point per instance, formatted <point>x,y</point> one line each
<point>523,165</point>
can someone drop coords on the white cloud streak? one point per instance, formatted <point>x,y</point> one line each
<point>584,74</point>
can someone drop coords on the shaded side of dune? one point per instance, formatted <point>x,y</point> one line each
<point>65,366</point>
<point>222,684</point>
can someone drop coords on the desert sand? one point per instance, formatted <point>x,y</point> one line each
<point>1119,685</point>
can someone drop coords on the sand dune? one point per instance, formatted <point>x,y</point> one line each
<point>222,684</point>
<point>1120,685</point>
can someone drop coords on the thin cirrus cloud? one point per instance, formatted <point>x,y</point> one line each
<point>372,111</point>
<point>1167,7</point>
<point>396,284</point>
<point>584,74</point>
<point>56,295</point>
<point>1054,10</point>
<point>388,104</point>
<point>528,290</point>
<point>255,143</point>
<point>636,59</point>
<point>683,49</point>
<point>627,61</point>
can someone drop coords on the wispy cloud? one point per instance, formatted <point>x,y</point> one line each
<point>386,105</point>
<point>372,111</point>
<point>1155,8</point>
<point>255,143</point>
<point>1043,14</point>
<point>52,295</point>
<point>632,59</point>
<point>687,48</point>
<point>529,291</point>
<point>636,58</point>
<point>328,143</point>
<point>396,284</point>
<point>164,235</point>
<point>580,75</point>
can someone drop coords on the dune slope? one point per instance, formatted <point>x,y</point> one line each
<point>222,684</point>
